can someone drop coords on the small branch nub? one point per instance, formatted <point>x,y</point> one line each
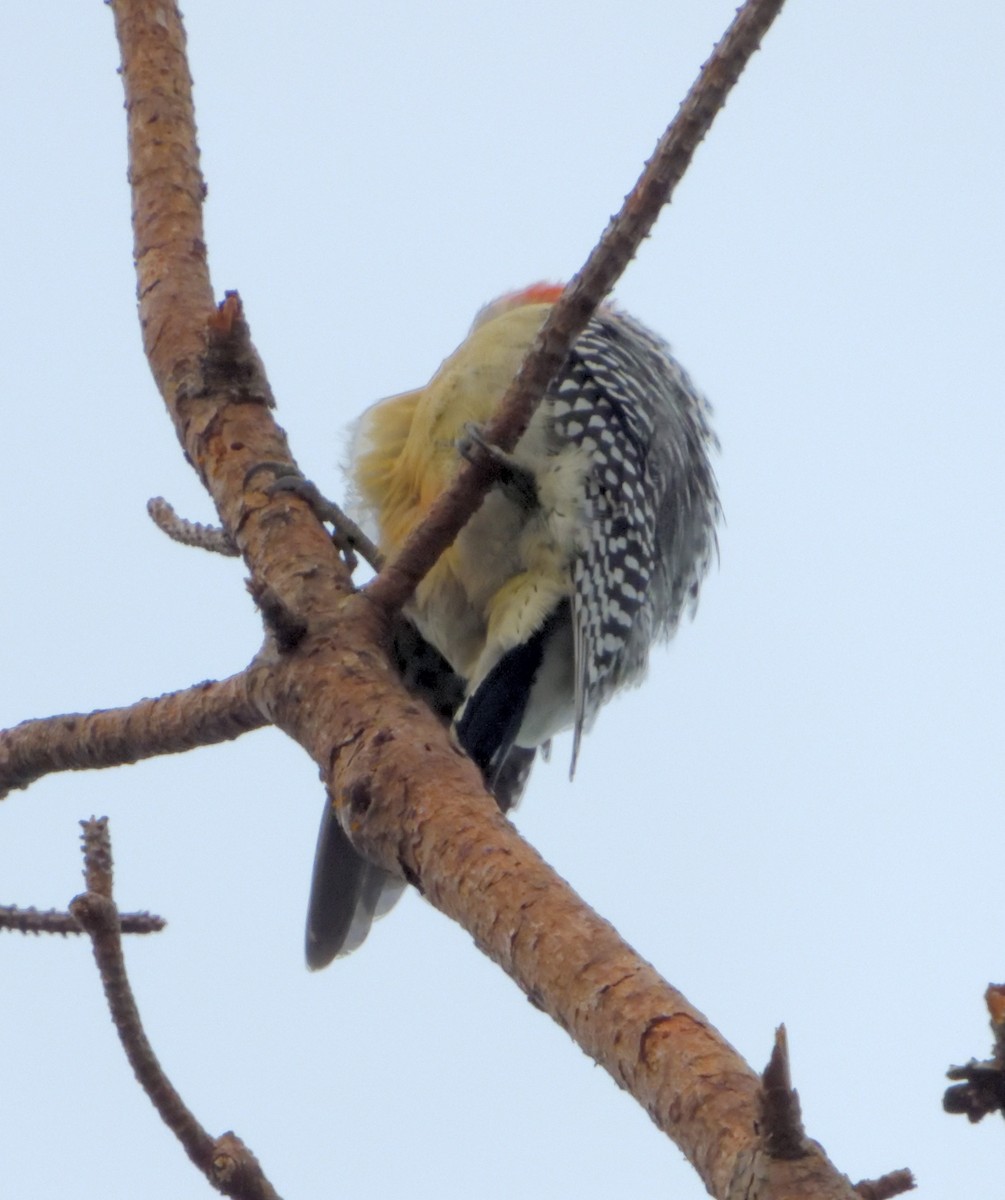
<point>781,1122</point>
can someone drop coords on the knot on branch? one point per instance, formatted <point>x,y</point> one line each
<point>231,365</point>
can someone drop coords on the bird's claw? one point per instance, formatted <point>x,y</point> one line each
<point>513,478</point>
<point>345,533</point>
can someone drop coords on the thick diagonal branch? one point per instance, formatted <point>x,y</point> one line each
<point>416,805</point>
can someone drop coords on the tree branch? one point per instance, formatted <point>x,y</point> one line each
<point>408,798</point>
<point>32,920</point>
<point>201,715</point>
<point>225,1162</point>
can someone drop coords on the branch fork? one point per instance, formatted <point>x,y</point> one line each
<point>407,797</point>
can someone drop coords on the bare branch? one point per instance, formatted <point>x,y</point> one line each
<point>225,1162</point>
<point>190,533</point>
<point>201,715</point>
<point>605,265</point>
<point>95,911</point>
<point>410,801</point>
<point>33,920</point>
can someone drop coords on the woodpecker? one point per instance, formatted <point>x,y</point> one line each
<point>591,544</point>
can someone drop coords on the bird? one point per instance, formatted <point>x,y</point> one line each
<point>590,545</point>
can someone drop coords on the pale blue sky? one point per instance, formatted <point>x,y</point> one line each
<point>798,817</point>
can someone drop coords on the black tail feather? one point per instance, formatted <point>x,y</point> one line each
<point>347,892</point>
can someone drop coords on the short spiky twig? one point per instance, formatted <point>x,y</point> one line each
<point>39,921</point>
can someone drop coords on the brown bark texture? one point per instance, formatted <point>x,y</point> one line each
<point>201,715</point>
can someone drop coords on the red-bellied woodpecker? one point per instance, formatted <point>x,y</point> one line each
<point>587,549</point>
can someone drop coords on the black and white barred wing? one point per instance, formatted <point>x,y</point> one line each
<point>651,503</point>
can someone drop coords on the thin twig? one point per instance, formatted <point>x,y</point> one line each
<point>224,1161</point>
<point>213,538</point>
<point>38,921</point>
<point>567,319</point>
<point>201,715</point>
<point>95,910</point>
<point>98,866</point>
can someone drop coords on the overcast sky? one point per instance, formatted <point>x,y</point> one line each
<point>797,818</point>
